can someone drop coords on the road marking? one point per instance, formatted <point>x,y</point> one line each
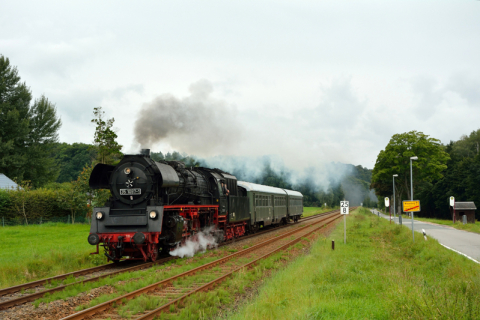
<point>463,254</point>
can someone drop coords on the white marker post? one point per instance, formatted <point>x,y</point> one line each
<point>344,206</point>
<point>452,204</point>
<point>387,205</point>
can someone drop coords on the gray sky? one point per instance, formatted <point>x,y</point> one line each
<point>309,81</point>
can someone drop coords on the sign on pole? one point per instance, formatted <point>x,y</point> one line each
<point>411,206</point>
<point>387,202</point>
<point>452,201</point>
<point>344,206</point>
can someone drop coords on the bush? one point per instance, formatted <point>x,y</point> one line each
<point>45,204</point>
<point>5,203</point>
<point>53,203</point>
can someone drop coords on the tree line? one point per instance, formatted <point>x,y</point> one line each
<point>441,171</point>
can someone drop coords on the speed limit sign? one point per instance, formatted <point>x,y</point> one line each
<point>344,207</point>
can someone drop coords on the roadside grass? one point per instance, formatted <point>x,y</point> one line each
<point>310,211</point>
<point>34,252</point>
<point>472,227</point>
<point>378,274</point>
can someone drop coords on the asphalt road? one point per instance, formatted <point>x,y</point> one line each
<point>464,242</point>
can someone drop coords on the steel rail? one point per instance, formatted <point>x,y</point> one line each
<point>33,296</point>
<point>37,283</point>
<point>152,314</point>
<point>103,306</point>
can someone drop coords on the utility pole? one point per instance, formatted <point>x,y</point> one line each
<point>411,190</point>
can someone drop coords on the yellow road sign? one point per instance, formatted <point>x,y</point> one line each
<point>411,206</point>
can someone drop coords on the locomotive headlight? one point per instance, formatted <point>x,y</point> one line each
<point>153,214</point>
<point>99,215</point>
<point>127,170</point>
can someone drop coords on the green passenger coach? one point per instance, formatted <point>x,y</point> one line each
<point>270,205</point>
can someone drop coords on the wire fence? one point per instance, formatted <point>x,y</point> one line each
<point>20,221</point>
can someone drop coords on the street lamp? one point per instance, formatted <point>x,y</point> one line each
<point>395,175</point>
<point>411,177</point>
<point>411,189</point>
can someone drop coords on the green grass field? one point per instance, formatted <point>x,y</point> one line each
<point>472,227</point>
<point>35,252</point>
<point>378,274</point>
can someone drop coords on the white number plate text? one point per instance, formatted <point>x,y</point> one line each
<point>130,192</point>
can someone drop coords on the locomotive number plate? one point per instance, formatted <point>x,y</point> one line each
<point>130,192</point>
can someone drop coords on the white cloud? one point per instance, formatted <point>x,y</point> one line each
<point>310,81</point>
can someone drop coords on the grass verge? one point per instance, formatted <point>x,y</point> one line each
<point>29,253</point>
<point>378,274</point>
<point>472,227</point>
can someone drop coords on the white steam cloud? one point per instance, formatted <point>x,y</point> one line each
<point>198,124</point>
<point>251,169</point>
<point>198,243</point>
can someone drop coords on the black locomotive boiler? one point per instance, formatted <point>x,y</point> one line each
<point>156,205</point>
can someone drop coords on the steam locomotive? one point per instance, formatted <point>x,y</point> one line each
<point>155,206</point>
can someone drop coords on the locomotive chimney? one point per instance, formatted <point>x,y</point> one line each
<point>145,152</point>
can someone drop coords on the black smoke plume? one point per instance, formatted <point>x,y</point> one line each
<point>198,123</point>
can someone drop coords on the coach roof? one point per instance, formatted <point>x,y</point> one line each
<point>261,188</point>
<point>293,193</point>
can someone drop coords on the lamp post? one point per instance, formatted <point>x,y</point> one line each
<point>394,216</point>
<point>411,189</point>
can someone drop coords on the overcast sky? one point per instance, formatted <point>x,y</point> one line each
<point>309,81</point>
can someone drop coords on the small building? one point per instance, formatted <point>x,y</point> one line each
<point>6,182</point>
<point>464,208</point>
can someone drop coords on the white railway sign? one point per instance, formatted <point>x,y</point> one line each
<point>344,206</point>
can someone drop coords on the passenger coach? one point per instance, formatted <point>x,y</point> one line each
<point>270,205</point>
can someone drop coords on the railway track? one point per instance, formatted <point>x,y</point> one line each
<point>173,290</point>
<point>107,270</point>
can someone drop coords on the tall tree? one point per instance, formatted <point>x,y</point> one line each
<point>26,133</point>
<point>14,120</point>
<point>108,149</point>
<point>40,165</point>
<point>395,159</point>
